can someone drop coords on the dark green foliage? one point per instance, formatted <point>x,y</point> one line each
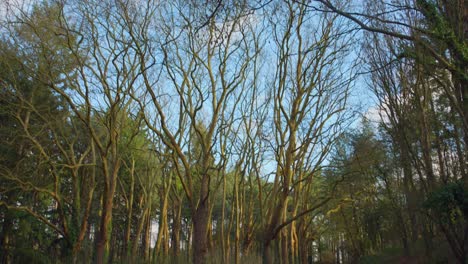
<point>449,202</point>
<point>28,255</point>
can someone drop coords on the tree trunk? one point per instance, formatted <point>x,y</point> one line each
<point>284,247</point>
<point>162,222</point>
<point>102,242</point>
<point>5,238</point>
<point>200,228</point>
<point>176,228</point>
<point>147,236</point>
<point>408,184</point>
<point>223,215</point>
<point>128,230</point>
<point>105,229</point>
<point>200,218</point>
<point>139,230</point>
<point>209,230</point>
<point>284,239</point>
<point>267,256</point>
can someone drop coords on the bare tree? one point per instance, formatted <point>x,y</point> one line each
<point>203,69</point>
<point>422,23</point>
<point>97,89</point>
<point>310,93</point>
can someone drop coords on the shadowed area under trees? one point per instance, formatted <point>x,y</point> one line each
<point>252,131</point>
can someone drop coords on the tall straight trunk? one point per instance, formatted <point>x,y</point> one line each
<point>162,223</point>
<point>83,226</point>
<point>85,223</point>
<point>200,223</point>
<point>229,231</point>
<point>85,218</point>
<point>5,238</point>
<point>147,236</point>
<point>105,228</point>
<point>426,153</point>
<point>408,184</point>
<point>248,230</point>
<point>238,213</point>
<point>189,239</point>
<point>141,224</point>
<point>165,244</point>
<point>102,243</point>
<point>404,232</point>
<point>410,204</point>
<point>270,231</point>
<point>267,254</point>
<point>200,228</point>
<point>209,231</point>
<point>459,76</point>
<point>294,226</point>
<point>460,151</point>
<point>284,247</point>
<point>223,210</point>
<point>427,237</point>
<point>163,233</point>
<point>304,240</point>
<point>176,227</point>
<point>303,254</point>
<point>294,242</point>
<point>284,239</point>
<point>128,230</point>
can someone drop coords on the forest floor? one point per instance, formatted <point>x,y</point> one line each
<point>441,253</point>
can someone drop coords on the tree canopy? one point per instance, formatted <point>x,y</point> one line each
<point>276,131</point>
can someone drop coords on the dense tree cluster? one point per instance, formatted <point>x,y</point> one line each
<point>145,131</point>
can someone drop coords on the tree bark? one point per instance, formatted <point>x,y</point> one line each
<point>5,238</point>
<point>200,223</point>
<point>128,230</point>
<point>176,228</point>
<point>105,229</point>
<point>102,243</point>
<point>267,256</point>
<point>200,228</point>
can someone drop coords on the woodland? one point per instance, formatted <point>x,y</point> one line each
<point>233,131</point>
